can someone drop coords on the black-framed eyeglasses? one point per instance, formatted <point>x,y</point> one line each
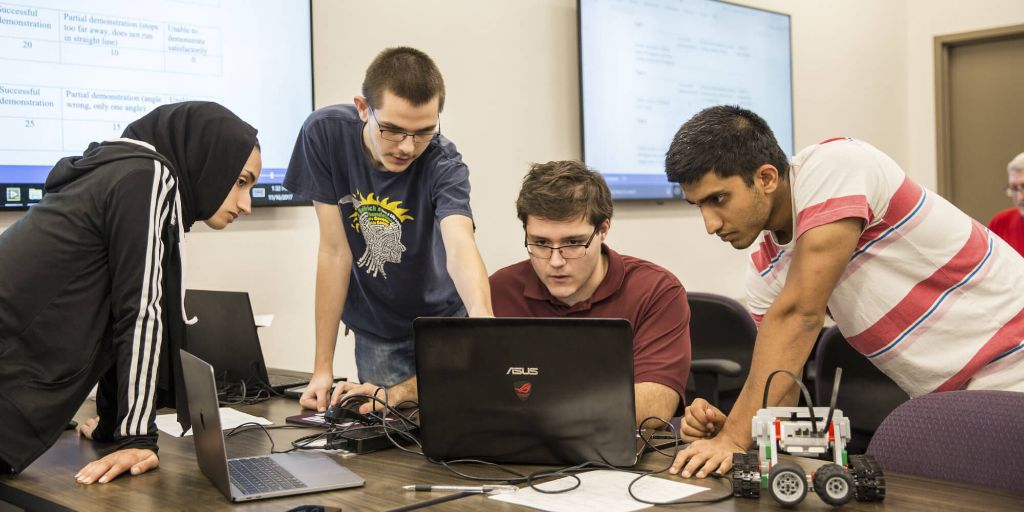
<point>391,135</point>
<point>569,252</point>
<point>1014,190</point>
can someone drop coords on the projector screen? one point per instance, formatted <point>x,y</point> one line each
<point>646,66</point>
<point>74,72</point>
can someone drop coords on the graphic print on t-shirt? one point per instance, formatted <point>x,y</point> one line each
<point>380,222</point>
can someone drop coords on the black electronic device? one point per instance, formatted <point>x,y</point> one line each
<point>508,390</point>
<point>364,439</point>
<point>348,410</point>
<point>225,336</point>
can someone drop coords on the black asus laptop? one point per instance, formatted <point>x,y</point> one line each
<point>251,478</point>
<point>225,336</point>
<point>526,390</point>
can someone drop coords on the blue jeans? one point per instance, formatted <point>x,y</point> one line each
<point>384,361</point>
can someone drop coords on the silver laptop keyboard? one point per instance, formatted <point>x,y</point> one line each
<point>257,475</point>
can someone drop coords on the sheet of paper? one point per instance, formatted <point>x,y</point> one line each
<point>263,320</point>
<point>229,419</point>
<point>603,490</point>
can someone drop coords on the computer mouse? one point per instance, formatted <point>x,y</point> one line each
<point>348,410</point>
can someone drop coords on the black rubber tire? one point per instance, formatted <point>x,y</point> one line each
<point>787,483</point>
<point>746,477</point>
<point>868,478</point>
<point>833,485</point>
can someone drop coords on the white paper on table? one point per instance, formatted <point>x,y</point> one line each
<point>229,419</point>
<point>603,490</point>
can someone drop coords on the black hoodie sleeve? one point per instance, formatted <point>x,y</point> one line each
<point>139,209</point>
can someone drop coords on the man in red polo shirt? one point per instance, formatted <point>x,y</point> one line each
<point>566,211</point>
<point>1009,223</point>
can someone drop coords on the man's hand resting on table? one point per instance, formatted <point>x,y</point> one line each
<point>706,456</point>
<point>708,452</point>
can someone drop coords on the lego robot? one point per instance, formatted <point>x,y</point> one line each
<point>816,432</point>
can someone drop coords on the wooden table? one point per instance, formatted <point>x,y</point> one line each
<point>48,484</point>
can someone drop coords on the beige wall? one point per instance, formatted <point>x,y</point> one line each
<point>932,18</point>
<point>861,68</point>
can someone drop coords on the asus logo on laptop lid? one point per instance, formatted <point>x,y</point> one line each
<point>519,370</point>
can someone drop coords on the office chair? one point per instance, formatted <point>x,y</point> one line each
<point>970,436</point>
<point>866,395</point>
<point>722,335</point>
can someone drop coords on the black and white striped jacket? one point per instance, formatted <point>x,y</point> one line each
<point>84,298</point>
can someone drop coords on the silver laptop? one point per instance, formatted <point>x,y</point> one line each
<point>251,478</point>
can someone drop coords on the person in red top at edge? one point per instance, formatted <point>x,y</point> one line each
<point>566,211</point>
<point>1009,223</point>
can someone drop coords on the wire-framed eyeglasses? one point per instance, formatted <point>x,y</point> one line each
<point>568,252</point>
<point>393,135</point>
<point>1014,190</point>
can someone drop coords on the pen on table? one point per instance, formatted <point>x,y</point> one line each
<point>434,501</point>
<point>481,489</point>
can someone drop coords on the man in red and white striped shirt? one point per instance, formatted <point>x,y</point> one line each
<point>925,292</point>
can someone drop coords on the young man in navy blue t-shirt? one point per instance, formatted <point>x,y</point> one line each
<point>391,196</point>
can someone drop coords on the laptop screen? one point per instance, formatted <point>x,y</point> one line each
<point>225,336</point>
<point>526,390</point>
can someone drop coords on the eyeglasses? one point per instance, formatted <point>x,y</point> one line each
<point>399,135</point>
<point>1014,190</point>
<point>568,252</point>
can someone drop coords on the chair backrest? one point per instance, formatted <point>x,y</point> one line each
<point>721,328</point>
<point>866,395</point>
<point>970,436</point>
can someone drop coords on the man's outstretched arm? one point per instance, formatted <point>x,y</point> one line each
<point>785,339</point>
<point>466,266</point>
<point>333,271</point>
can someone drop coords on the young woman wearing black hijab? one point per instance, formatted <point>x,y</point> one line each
<point>91,283</point>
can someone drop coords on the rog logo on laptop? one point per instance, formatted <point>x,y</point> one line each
<point>523,388</point>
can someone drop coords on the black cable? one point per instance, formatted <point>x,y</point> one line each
<point>385,425</point>
<point>671,428</point>
<point>254,370</point>
<point>303,442</point>
<point>520,478</point>
<point>514,477</point>
<point>835,394</point>
<point>381,422</point>
<point>682,501</point>
<point>253,424</point>
<point>238,394</point>
<point>517,478</point>
<point>569,471</point>
<point>807,395</point>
